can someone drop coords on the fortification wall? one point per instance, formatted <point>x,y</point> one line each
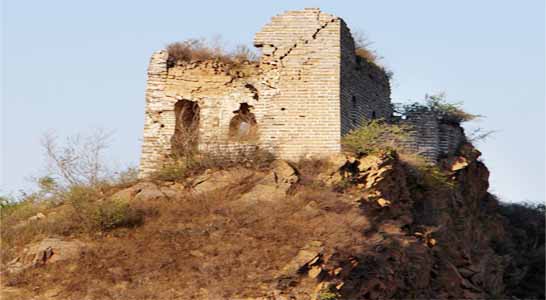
<point>216,92</point>
<point>300,61</point>
<point>365,89</point>
<point>155,142</point>
<point>307,91</point>
<point>431,137</point>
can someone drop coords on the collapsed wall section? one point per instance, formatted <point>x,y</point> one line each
<point>365,88</point>
<point>206,106</point>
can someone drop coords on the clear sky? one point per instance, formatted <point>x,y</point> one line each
<point>71,66</point>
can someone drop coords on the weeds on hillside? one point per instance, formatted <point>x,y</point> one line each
<point>72,198</point>
<point>78,210</point>
<point>200,50</point>
<point>210,242</point>
<point>95,213</point>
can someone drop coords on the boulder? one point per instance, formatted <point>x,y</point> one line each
<point>274,185</point>
<point>142,191</point>
<point>217,180</point>
<point>307,256</point>
<point>49,250</point>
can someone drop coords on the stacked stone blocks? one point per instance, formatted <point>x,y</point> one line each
<point>307,90</point>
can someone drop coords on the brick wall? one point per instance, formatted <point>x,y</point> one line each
<point>365,88</point>
<point>300,60</point>
<point>431,137</point>
<point>306,92</point>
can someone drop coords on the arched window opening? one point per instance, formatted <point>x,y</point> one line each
<point>243,124</point>
<point>186,131</point>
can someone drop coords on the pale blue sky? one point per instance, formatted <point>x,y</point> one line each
<point>72,66</point>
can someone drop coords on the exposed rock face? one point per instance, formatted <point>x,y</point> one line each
<point>47,251</point>
<point>274,185</point>
<point>219,180</point>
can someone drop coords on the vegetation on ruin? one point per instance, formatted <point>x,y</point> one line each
<point>193,50</point>
<point>363,48</point>
<point>447,111</point>
<point>378,137</point>
<point>375,136</point>
<point>364,52</point>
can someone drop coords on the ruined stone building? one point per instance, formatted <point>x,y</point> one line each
<point>307,91</point>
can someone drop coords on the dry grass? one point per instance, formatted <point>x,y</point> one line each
<point>80,211</point>
<point>204,246</point>
<point>193,50</point>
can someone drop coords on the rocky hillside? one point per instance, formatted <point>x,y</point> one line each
<point>371,227</point>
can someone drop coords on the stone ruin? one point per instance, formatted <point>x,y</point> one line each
<point>307,91</point>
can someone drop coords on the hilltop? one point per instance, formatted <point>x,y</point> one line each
<point>375,226</point>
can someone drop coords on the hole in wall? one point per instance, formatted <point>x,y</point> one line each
<point>186,130</point>
<point>283,109</point>
<point>243,125</point>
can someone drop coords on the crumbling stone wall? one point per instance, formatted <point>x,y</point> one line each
<point>306,92</point>
<point>215,88</point>
<point>365,88</point>
<point>300,60</point>
<point>430,136</point>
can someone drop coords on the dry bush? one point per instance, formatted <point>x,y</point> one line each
<point>94,213</point>
<point>193,50</point>
<point>79,161</point>
<point>82,210</point>
<point>362,48</point>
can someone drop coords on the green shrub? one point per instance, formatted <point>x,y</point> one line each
<point>172,171</point>
<point>451,112</point>
<point>112,214</point>
<point>95,213</point>
<point>375,136</point>
<point>326,294</point>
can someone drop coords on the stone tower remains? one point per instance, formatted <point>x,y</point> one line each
<point>308,89</point>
